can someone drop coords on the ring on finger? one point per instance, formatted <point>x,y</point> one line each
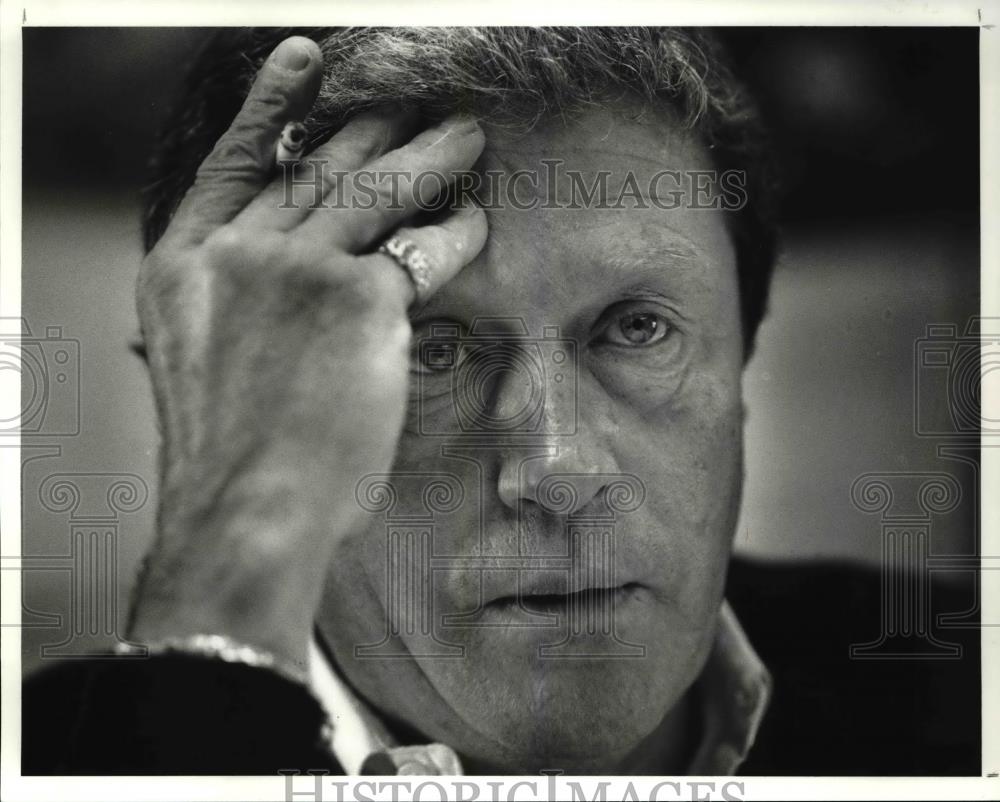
<point>415,263</point>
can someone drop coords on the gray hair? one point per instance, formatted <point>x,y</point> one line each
<point>520,75</point>
<point>512,76</point>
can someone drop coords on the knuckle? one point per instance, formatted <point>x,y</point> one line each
<point>365,137</point>
<point>320,290</point>
<point>376,138</point>
<point>392,282</point>
<point>375,292</point>
<point>358,292</point>
<point>228,246</point>
<point>306,286</point>
<point>392,192</point>
<point>240,258</point>
<point>267,101</point>
<point>235,155</point>
<point>159,280</point>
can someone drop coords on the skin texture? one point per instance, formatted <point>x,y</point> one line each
<point>281,355</point>
<point>259,322</point>
<point>669,413</point>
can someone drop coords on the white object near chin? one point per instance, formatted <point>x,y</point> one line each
<point>291,143</point>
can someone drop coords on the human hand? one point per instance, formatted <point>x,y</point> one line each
<point>277,342</point>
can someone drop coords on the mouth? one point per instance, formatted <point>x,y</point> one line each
<point>595,598</point>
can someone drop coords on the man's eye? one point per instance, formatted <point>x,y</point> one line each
<point>434,357</point>
<point>636,329</point>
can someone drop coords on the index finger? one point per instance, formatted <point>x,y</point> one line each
<point>242,162</point>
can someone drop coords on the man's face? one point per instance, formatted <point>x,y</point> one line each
<point>441,610</point>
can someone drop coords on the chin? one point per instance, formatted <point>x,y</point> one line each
<point>577,715</point>
<point>601,716</point>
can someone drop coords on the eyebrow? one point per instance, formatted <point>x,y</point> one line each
<point>643,290</point>
<point>641,276</point>
<point>634,264</point>
<point>654,244</point>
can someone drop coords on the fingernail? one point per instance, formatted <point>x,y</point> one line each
<point>460,124</point>
<point>291,55</point>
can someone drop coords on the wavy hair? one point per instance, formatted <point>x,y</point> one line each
<point>512,76</point>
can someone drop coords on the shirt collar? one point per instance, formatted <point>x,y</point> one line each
<point>736,692</point>
<point>735,684</point>
<point>355,732</point>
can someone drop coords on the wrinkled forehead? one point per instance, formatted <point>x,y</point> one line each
<point>623,135</point>
<point>620,165</point>
<point>579,208</point>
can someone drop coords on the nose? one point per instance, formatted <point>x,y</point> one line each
<point>561,481</point>
<point>563,465</point>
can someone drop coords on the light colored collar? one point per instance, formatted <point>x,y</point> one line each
<point>736,690</point>
<point>735,684</point>
<point>356,732</point>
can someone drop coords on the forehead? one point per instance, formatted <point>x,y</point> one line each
<point>571,212</point>
<point>617,136</point>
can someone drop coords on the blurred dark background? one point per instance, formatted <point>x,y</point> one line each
<point>865,118</point>
<point>869,121</point>
<point>878,135</point>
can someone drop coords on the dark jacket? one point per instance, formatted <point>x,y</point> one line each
<point>831,713</point>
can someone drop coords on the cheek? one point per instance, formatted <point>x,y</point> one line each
<point>689,452</point>
<point>429,505</point>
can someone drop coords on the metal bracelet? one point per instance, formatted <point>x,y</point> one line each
<point>217,647</point>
